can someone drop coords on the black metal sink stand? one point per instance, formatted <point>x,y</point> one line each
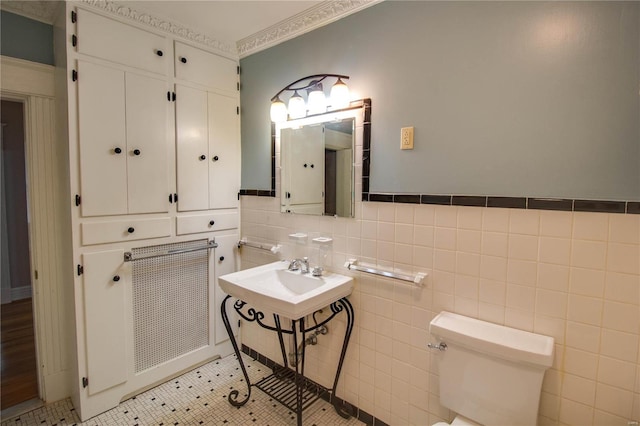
<point>288,385</point>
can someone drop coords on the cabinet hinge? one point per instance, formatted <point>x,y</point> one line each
<point>175,198</point>
<point>35,274</point>
<point>173,96</point>
<point>169,96</point>
<point>74,40</point>
<point>79,270</point>
<point>74,17</point>
<point>74,75</point>
<point>237,84</point>
<point>238,69</point>
<point>170,198</point>
<point>238,110</point>
<point>78,200</point>
<point>238,195</point>
<point>85,382</point>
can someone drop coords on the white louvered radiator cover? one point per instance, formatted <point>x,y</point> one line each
<point>170,303</point>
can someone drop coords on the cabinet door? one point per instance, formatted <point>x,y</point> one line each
<point>117,42</point>
<point>226,262</point>
<point>105,320</point>
<point>192,149</point>
<point>147,167</point>
<point>224,152</point>
<point>103,148</point>
<point>307,163</point>
<point>208,69</point>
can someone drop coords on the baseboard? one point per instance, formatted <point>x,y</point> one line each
<point>5,295</point>
<point>361,415</point>
<point>19,293</point>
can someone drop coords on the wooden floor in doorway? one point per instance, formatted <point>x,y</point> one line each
<point>17,353</point>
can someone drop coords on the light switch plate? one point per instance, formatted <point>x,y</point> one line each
<point>406,138</point>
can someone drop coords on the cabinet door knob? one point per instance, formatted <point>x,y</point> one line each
<point>221,258</point>
<point>183,59</point>
<point>215,158</point>
<point>159,52</point>
<point>312,166</point>
<point>136,151</point>
<point>212,222</point>
<point>305,165</point>
<point>130,230</point>
<point>117,150</point>
<point>116,278</point>
<point>203,157</point>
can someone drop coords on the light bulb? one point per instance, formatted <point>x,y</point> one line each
<point>317,101</point>
<point>339,95</point>
<point>297,107</point>
<point>278,111</point>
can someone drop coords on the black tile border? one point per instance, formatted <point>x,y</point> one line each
<point>361,415</point>
<point>599,206</point>
<point>556,204</point>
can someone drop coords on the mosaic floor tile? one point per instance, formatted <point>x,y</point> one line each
<point>198,397</point>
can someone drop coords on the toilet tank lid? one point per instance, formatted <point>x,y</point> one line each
<point>493,339</point>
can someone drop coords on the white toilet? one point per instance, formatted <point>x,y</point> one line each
<point>490,374</point>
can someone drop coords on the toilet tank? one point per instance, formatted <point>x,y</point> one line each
<point>490,373</point>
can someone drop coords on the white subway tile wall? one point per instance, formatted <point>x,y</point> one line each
<point>571,275</point>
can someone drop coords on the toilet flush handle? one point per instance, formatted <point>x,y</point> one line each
<point>442,346</point>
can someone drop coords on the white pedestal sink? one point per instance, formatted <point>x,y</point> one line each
<point>290,294</point>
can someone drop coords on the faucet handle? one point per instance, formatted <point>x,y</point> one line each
<point>317,271</point>
<point>294,265</point>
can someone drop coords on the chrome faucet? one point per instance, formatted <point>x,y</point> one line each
<point>300,264</point>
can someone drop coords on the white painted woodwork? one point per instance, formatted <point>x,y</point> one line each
<point>101,125</point>
<point>224,143</point>
<point>146,118</point>
<point>124,44</point>
<point>208,69</point>
<point>118,231</point>
<point>26,77</point>
<point>227,249</point>
<point>303,151</point>
<point>192,143</point>
<point>202,222</point>
<point>105,319</point>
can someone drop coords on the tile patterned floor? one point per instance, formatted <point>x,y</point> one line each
<point>198,397</point>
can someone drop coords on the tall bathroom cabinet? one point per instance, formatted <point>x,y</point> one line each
<point>149,118</point>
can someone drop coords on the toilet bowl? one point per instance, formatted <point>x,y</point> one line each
<point>489,373</point>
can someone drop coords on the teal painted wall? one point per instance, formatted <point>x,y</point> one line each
<point>25,38</point>
<point>532,99</point>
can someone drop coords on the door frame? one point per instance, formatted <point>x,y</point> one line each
<point>33,85</point>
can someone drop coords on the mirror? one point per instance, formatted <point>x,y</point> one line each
<point>321,159</point>
<point>317,168</point>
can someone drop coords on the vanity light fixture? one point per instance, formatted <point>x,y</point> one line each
<point>316,99</point>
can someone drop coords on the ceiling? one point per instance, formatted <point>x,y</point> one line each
<point>228,21</point>
<point>246,26</point>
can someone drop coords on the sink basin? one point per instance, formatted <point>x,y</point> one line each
<point>273,288</point>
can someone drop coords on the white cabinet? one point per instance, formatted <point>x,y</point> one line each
<point>122,123</point>
<point>208,150</point>
<point>303,177</point>
<point>105,286</point>
<point>226,262</point>
<point>114,41</point>
<point>212,221</point>
<point>197,66</point>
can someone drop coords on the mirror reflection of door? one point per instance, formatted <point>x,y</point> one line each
<point>317,168</point>
<point>17,345</point>
<point>303,149</point>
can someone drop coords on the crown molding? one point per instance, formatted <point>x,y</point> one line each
<point>304,22</point>
<point>39,10</point>
<point>161,24</point>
